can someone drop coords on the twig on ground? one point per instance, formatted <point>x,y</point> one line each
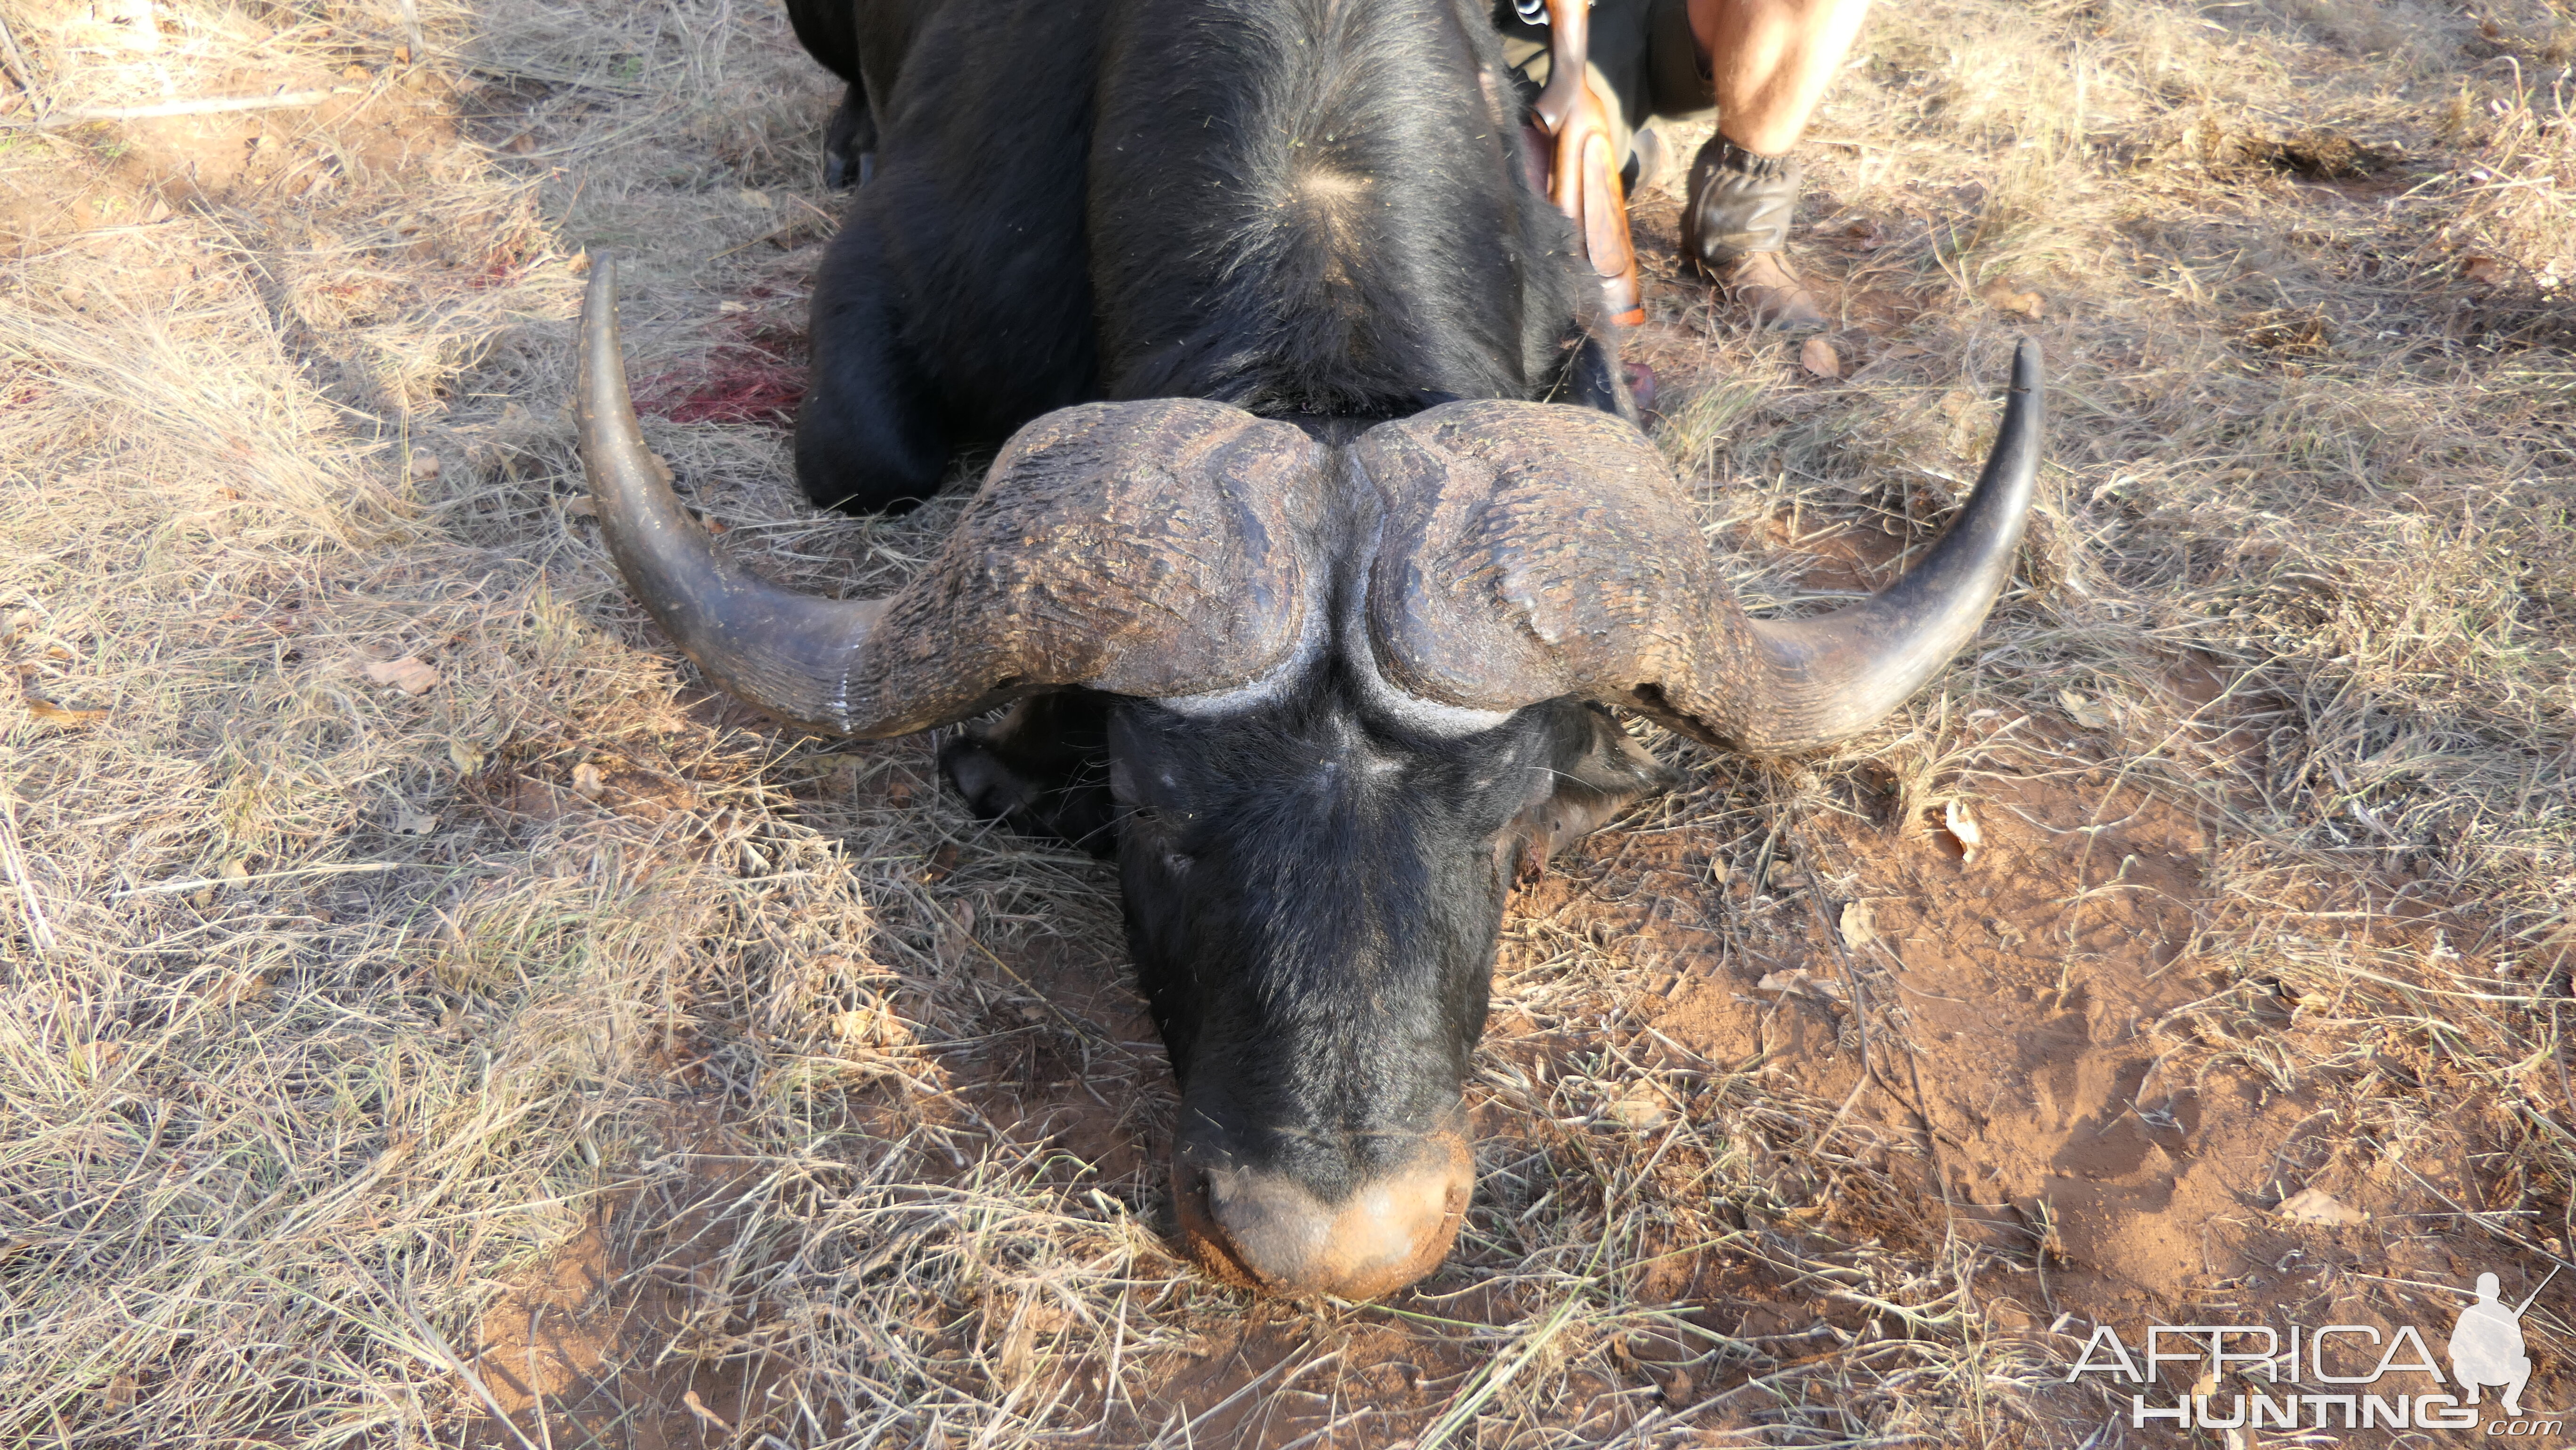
<point>199,883</point>
<point>17,61</point>
<point>14,857</point>
<point>205,106</point>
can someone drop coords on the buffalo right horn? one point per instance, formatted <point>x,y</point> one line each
<point>1151,549</point>
<point>1532,551</point>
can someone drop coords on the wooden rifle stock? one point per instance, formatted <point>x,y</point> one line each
<point>1583,170</point>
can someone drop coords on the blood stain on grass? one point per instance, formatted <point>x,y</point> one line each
<point>755,372</point>
<point>734,383</point>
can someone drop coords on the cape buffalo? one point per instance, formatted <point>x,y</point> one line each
<point>1297,588</point>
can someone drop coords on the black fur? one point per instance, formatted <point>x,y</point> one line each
<point>1317,210</point>
<point>1309,208</point>
<point>1312,892</point>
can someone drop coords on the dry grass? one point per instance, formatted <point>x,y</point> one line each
<point>334,1018</point>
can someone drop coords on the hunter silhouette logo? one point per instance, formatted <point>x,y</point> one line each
<point>2486,1345</point>
<point>2330,1377</point>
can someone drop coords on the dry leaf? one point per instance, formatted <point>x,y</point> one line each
<point>698,1407</point>
<point>1860,924</point>
<point>758,199</point>
<point>1641,1108</point>
<point>465,755</point>
<point>581,507</point>
<point>1799,981</point>
<point>88,1059</point>
<point>409,821</point>
<point>119,1394</point>
<point>235,871</point>
<point>1019,1354</point>
<point>956,934</point>
<point>236,988</point>
<point>53,714</point>
<point>2004,296</point>
<point>1962,826</point>
<point>425,466</point>
<point>1819,358</point>
<point>2485,271</point>
<point>2088,713</point>
<point>2315,1205</point>
<point>407,674</point>
<point>588,781</point>
<point>2297,1001</point>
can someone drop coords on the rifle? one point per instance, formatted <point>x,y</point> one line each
<point>2544,1283</point>
<point>1583,175</point>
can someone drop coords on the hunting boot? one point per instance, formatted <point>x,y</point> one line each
<point>1735,229</point>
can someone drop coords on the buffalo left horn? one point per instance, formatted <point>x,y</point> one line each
<point>1152,549</point>
<point>1532,551</point>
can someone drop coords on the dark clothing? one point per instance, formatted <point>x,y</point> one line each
<point>1641,52</point>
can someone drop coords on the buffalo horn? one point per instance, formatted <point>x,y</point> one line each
<point>1532,551</point>
<point>1146,549</point>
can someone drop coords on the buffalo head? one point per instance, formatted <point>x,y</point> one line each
<point>1321,693</point>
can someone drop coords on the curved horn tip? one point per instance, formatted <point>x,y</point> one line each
<point>2025,369</point>
<point>600,295</point>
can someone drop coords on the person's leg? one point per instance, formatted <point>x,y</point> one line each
<point>2520,1376</point>
<point>1770,62</point>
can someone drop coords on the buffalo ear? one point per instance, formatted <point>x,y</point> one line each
<point>1041,768</point>
<point>1599,770</point>
<point>1596,379</point>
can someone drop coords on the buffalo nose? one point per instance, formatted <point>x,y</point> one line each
<point>1266,1230</point>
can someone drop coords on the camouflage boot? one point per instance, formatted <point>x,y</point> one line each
<point>1735,229</point>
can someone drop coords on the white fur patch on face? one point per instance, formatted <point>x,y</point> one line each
<point>1427,717</point>
<point>1217,704</point>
